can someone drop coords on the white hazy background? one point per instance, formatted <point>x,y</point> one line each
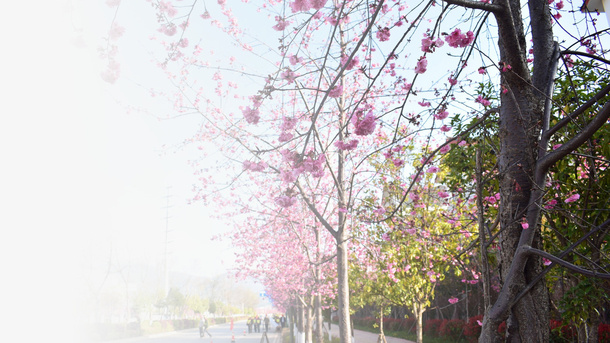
<point>81,179</point>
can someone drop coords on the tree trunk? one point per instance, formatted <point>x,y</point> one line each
<point>341,234</point>
<point>418,312</point>
<point>319,338</point>
<point>521,117</point>
<point>381,338</point>
<point>308,322</point>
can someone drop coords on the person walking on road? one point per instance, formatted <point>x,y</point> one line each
<point>203,327</point>
<point>257,323</point>
<point>266,323</point>
<point>250,322</point>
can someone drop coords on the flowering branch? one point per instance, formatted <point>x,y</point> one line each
<point>580,53</point>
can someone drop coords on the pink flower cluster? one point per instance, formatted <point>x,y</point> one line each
<point>336,92</point>
<point>347,146</point>
<point>308,164</point>
<point>481,100</point>
<point>288,123</point>
<point>251,114</point>
<point>459,40</point>
<point>294,59</point>
<point>353,63</point>
<point>364,124</point>
<point>441,114</point>
<point>306,5</point>
<point>169,29</point>
<point>285,201</point>
<point>421,66</point>
<point>288,75</point>
<point>429,45</point>
<point>254,166</point>
<point>383,34</point>
<point>453,300</point>
<point>281,23</point>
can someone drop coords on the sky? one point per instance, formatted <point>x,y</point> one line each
<point>84,179</point>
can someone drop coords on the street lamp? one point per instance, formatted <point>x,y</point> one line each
<point>600,6</point>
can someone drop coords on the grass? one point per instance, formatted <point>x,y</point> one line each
<point>408,336</point>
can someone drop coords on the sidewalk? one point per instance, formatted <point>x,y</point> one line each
<point>365,336</point>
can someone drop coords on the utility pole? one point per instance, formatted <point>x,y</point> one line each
<point>166,251</point>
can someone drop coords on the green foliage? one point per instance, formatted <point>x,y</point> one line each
<point>583,173</point>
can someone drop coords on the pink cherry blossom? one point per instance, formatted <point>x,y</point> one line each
<point>169,29</point>
<point>546,262</point>
<point>445,128</point>
<point>365,126</point>
<point>433,169</point>
<point>167,8</point>
<point>452,81</point>
<point>572,198</point>
<point>442,114</point>
<point>288,123</point>
<point>336,92</point>
<point>288,75</point>
<point>424,103</point>
<point>285,137</point>
<point>422,64</point>
<point>480,99</point>
<point>459,40</point>
<point>116,31</point>
<point>429,45</point>
<point>525,225</point>
<point>453,300</point>
<point>482,71</point>
<point>347,146</point>
<point>251,115</point>
<point>550,204</point>
<point>443,194</point>
<point>254,166</point>
<point>281,23</point>
<point>294,59</point>
<point>383,34</point>
<point>352,64</point>
<point>285,201</point>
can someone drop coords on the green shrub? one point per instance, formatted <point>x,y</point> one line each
<point>452,329</point>
<point>432,327</point>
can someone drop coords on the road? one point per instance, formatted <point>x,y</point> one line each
<point>220,334</point>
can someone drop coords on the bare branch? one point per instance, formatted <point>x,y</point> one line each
<point>477,5</point>
<point>533,251</point>
<point>602,93</point>
<point>580,53</point>
<point>598,121</point>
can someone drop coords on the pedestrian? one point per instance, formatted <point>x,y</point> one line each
<point>283,321</point>
<point>257,323</point>
<point>266,323</point>
<point>250,322</point>
<point>203,327</point>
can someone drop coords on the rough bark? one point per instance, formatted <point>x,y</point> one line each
<point>521,117</point>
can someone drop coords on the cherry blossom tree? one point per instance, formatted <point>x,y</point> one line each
<point>291,257</point>
<point>413,250</point>
<point>350,79</point>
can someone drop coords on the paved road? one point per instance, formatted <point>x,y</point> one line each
<point>367,337</point>
<point>220,334</point>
